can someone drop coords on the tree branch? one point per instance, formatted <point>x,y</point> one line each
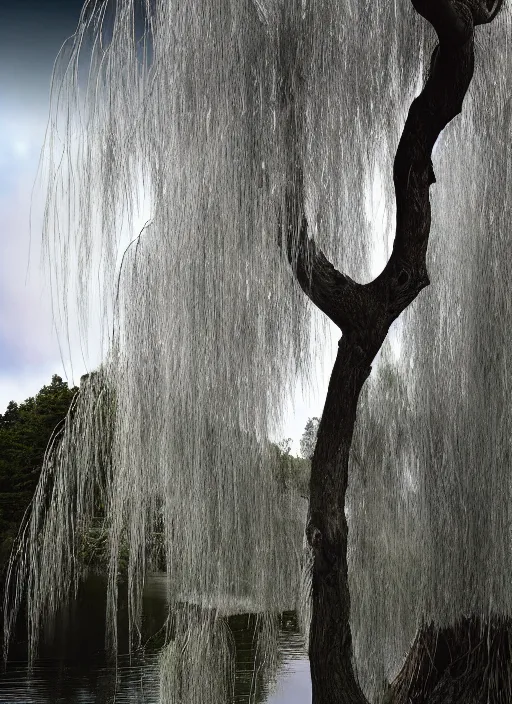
<point>451,71</point>
<point>338,296</point>
<point>365,312</point>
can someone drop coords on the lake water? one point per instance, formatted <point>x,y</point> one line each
<point>74,669</point>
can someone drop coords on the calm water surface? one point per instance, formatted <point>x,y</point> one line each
<point>73,668</point>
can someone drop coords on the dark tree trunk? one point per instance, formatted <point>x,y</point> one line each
<point>364,314</point>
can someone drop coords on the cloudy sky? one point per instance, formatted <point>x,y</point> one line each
<point>32,32</point>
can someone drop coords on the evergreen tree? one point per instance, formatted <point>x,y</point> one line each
<point>25,430</point>
<point>308,439</point>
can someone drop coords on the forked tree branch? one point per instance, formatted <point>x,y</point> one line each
<point>356,308</point>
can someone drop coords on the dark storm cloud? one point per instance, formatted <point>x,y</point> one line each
<point>31,34</point>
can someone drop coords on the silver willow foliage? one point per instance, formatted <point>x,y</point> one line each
<point>207,330</point>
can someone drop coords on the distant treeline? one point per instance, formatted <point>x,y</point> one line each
<point>25,430</point>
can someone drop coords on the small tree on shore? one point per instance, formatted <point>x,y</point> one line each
<point>308,439</point>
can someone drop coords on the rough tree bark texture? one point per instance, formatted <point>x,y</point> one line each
<point>469,662</point>
<point>364,314</point>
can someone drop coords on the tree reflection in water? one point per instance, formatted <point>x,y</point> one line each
<point>74,667</point>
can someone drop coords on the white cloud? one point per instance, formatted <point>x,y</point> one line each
<point>21,148</point>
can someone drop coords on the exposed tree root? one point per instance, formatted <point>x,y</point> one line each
<point>469,663</point>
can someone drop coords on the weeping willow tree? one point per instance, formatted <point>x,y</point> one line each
<point>256,128</point>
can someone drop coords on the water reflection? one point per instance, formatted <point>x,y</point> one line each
<point>73,668</point>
